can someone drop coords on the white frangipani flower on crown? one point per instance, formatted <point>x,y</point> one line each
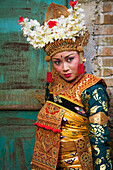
<point>55,29</point>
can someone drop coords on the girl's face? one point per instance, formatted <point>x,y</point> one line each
<point>66,64</point>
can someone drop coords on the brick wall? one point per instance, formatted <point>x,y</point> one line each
<point>99,52</point>
<point>103,36</point>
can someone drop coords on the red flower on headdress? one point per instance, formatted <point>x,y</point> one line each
<point>20,20</point>
<point>52,24</point>
<point>72,4</point>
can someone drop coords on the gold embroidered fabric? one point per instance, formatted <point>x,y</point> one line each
<point>59,85</point>
<point>47,142</point>
<point>75,148</point>
<point>45,154</point>
<point>99,118</point>
<point>79,146</point>
<point>72,91</point>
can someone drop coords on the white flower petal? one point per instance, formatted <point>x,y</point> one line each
<point>38,36</point>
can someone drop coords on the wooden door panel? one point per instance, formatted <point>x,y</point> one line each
<point>16,147</point>
<point>17,136</point>
<point>21,66</point>
<point>16,118</point>
<point>21,99</point>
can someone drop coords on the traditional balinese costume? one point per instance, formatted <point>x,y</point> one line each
<point>72,126</point>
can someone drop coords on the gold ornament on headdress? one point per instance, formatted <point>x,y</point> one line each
<point>55,11</point>
<point>80,48</point>
<point>47,58</point>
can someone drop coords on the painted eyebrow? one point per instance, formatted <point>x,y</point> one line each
<point>56,58</point>
<point>69,55</point>
<point>64,57</point>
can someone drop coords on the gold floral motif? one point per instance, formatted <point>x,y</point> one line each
<point>108,154</point>
<point>96,96</point>
<point>94,109</point>
<point>103,167</point>
<point>52,109</point>
<point>97,149</point>
<point>86,99</point>
<point>105,107</point>
<point>98,161</point>
<point>99,99</point>
<point>87,96</point>
<point>97,131</point>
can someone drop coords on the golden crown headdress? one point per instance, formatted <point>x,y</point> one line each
<point>63,29</point>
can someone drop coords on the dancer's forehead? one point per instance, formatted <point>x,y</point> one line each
<point>64,54</point>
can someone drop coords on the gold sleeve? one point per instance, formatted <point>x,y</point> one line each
<point>99,118</point>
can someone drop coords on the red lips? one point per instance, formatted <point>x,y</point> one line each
<point>67,75</point>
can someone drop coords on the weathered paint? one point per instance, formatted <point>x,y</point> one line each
<point>21,99</point>
<point>17,139</point>
<point>1,77</point>
<point>23,118</point>
<point>16,149</point>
